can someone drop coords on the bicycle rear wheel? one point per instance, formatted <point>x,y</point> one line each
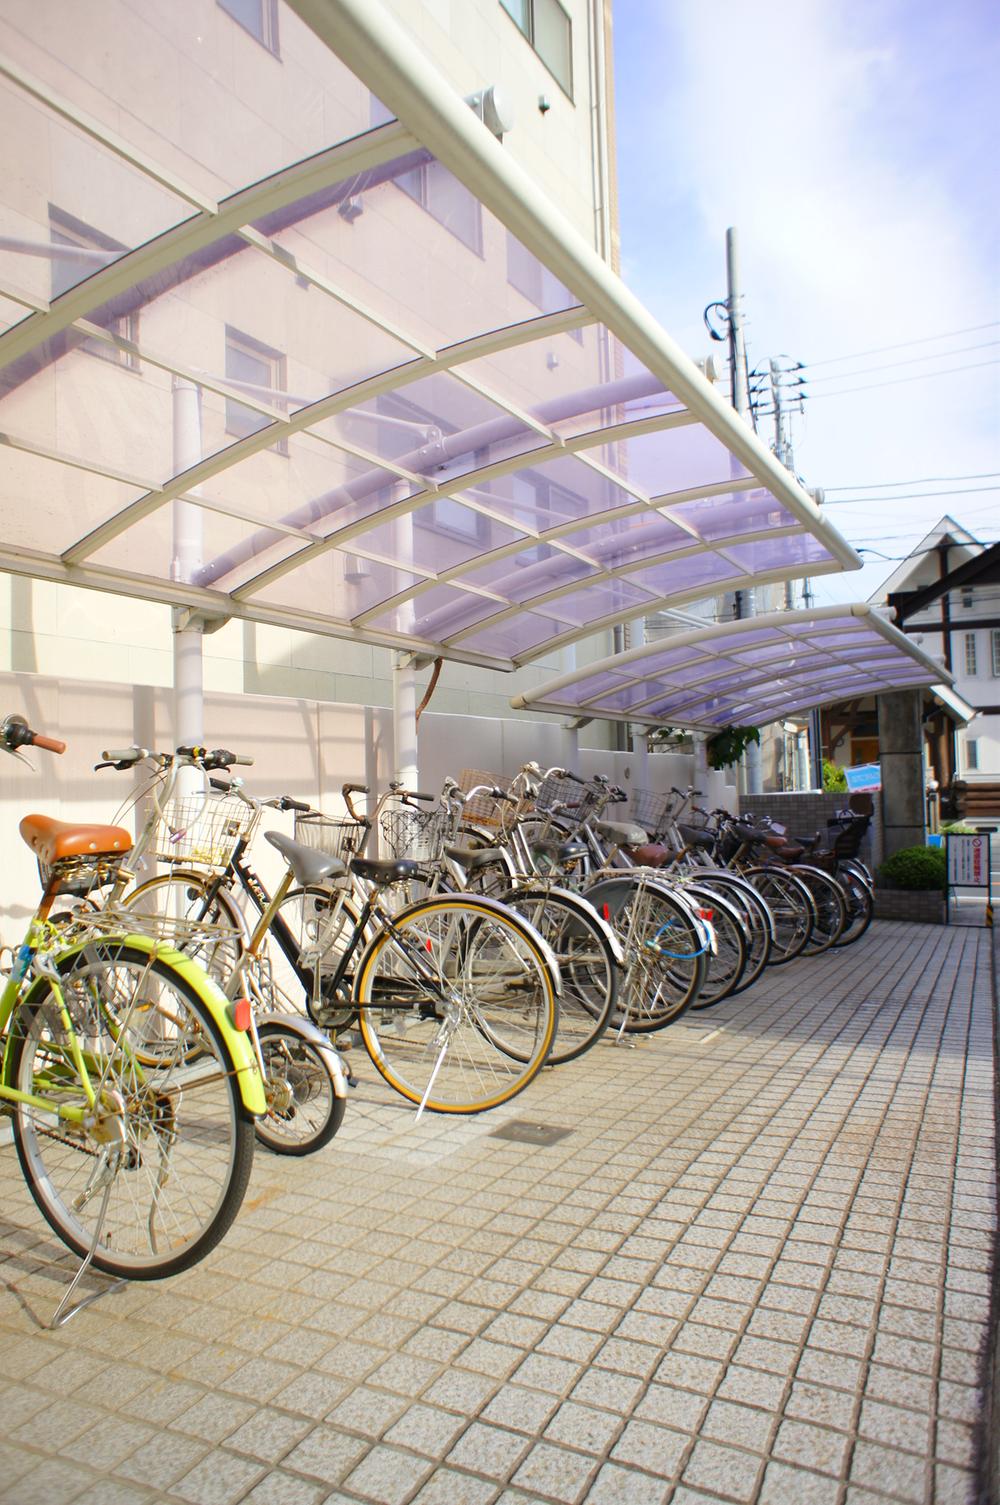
<point>860,907</point>
<point>303,1110</point>
<point>792,906</point>
<point>758,922</point>
<point>831,908</point>
<point>666,952</point>
<point>171,1142</point>
<point>728,962</point>
<point>587,964</point>
<point>456,1002</point>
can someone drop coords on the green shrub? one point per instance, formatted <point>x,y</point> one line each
<point>915,867</point>
<point>834,778</point>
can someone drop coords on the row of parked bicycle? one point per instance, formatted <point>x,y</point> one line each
<point>166,1005</point>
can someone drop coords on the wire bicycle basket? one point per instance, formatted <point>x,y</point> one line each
<point>419,835</point>
<point>339,838</point>
<point>649,810</point>
<point>202,831</point>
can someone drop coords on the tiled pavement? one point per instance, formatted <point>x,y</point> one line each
<point>757,1269</point>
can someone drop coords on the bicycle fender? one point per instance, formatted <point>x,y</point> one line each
<point>295,1024</point>
<point>505,912</point>
<point>608,895</point>
<point>236,1042</point>
<point>576,901</point>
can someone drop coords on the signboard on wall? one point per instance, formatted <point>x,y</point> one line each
<point>968,861</point>
<point>866,776</point>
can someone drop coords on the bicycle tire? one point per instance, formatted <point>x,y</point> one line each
<point>303,1110</point>
<point>588,966</point>
<point>831,908</point>
<point>860,908</point>
<point>728,961</point>
<point>792,907</point>
<point>182,1144</point>
<point>758,920</point>
<point>456,1002</point>
<point>320,933</point>
<point>659,981</point>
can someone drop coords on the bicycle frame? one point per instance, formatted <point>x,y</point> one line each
<point>241,1052</point>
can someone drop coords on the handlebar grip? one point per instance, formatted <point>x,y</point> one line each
<point>49,744</point>
<point>221,757</point>
<point>296,805</point>
<point>354,789</point>
<point>125,754</point>
<point>413,794</point>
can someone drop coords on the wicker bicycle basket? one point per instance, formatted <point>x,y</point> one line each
<point>416,834</point>
<point>481,809</point>
<point>202,832</point>
<point>337,838</point>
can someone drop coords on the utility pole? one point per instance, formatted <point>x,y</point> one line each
<point>743,604</point>
<point>783,451</point>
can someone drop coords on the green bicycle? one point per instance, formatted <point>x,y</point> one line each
<point>130,1079</point>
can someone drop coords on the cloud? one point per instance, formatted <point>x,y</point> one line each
<point>842,143</point>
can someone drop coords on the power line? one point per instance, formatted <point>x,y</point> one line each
<point>904,496</point>
<point>911,360</point>
<point>928,339</point>
<point>899,380</point>
<point>984,475</point>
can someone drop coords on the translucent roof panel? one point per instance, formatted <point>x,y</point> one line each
<point>745,673</point>
<point>278,287</point>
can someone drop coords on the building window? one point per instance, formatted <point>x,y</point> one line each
<point>84,251</point>
<point>405,427</point>
<point>258,17</point>
<point>972,753</point>
<point>260,371</point>
<point>967,597</point>
<point>446,200</point>
<point>549,30</point>
<point>970,653</point>
<point>995,643</point>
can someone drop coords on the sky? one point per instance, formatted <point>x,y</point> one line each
<point>854,148</point>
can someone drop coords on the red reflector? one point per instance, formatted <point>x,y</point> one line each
<point>706,914</point>
<point>429,944</point>
<point>239,1013</point>
<point>606,908</point>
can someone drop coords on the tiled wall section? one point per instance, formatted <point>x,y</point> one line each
<point>802,814</point>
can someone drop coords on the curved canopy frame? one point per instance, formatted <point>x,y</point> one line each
<point>745,673</point>
<point>428,414</point>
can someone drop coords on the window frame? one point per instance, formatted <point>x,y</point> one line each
<point>269,39</point>
<point>995,651</point>
<point>970,654</point>
<point>424,199</point>
<point>246,344</point>
<point>392,405</point>
<point>529,37</point>
<point>67,229</point>
<point>971,746</point>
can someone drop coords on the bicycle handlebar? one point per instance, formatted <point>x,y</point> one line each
<point>16,733</point>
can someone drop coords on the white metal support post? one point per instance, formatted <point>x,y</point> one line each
<point>189,693</point>
<point>404,674</point>
<point>745,604</point>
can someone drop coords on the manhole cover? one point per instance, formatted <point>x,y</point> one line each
<point>524,1132</point>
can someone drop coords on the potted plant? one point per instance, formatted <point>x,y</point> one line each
<point>911,885</point>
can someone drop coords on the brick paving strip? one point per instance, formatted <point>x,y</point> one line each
<point>758,1269</point>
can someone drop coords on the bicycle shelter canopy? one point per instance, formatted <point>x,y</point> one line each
<point>311,349</point>
<point>745,673</point>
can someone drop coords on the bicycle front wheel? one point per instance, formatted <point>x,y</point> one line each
<point>457,1003</point>
<point>168,1151</point>
<point>666,951</point>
